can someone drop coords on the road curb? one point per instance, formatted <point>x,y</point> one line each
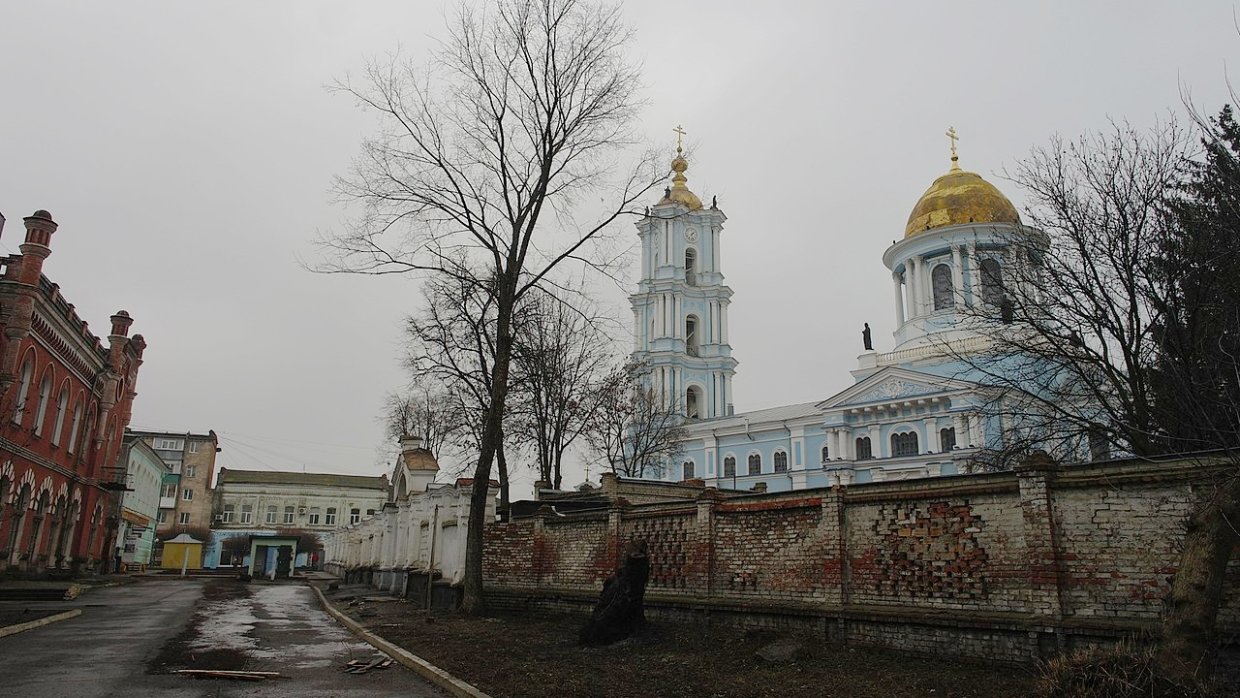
<point>425,669</point>
<point>22,627</point>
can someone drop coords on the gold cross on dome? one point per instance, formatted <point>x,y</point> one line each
<point>951,133</point>
<point>680,134</point>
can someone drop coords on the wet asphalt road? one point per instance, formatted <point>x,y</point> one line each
<point>104,652</point>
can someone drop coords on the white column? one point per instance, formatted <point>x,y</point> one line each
<point>895,278</point>
<point>975,276</point>
<point>844,448</point>
<point>912,286</point>
<point>975,430</point>
<point>727,392</point>
<point>961,426</point>
<point>927,287</point>
<point>723,322</point>
<point>957,276</point>
<point>714,247</point>
<point>876,441</point>
<point>680,313</point>
<point>932,445</point>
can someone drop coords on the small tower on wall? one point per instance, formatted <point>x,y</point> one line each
<point>680,309</point>
<point>415,469</point>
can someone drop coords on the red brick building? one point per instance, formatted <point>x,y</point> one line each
<point>65,399</point>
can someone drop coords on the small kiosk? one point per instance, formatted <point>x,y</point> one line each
<point>182,553</point>
<point>272,556</point>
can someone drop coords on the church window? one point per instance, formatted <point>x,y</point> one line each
<point>904,444</point>
<point>826,453</point>
<point>23,390</point>
<point>944,294</point>
<point>1099,449</point>
<point>992,282</point>
<point>947,439</point>
<point>687,470</point>
<point>755,464</point>
<point>729,466</point>
<point>691,267</point>
<point>691,335</point>
<point>863,448</point>
<point>693,403</point>
<point>781,461</point>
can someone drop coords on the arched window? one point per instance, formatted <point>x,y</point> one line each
<point>73,429</point>
<point>686,470</point>
<point>691,267</point>
<point>863,448</point>
<point>62,406</point>
<point>692,403</point>
<point>755,464</point>
<point>781,461</point>
<point>691,335</point>
<point>23,391</point>
<point>45,396</point>
<point>826,453</point>
<point>947,439</point>
<point>944,294</point>
<point>729,466</point>
<point>992,281</point>
<point>904,444</point>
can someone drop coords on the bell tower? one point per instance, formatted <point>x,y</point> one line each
<point>680,309</point>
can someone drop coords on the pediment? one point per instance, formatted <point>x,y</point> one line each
<point>893,383</point>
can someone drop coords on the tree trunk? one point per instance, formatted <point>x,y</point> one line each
<point>1188,642</point>
<point>501,462</point>
<point>473,601</point>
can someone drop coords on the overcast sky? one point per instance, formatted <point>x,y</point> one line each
<point>187,151</point>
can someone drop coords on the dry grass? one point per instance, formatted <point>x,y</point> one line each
<point>1121,671</point>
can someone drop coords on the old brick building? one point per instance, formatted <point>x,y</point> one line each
<point>65,398</point>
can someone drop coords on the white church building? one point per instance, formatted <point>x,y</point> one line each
<point>912,412</point>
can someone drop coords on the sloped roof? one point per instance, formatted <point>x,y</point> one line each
<point>263,477</point>
<point>770,414</point>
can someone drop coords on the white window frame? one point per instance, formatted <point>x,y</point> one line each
<point>290,513</point>
<point>247,513</point>
<point>183,518</point>
<point>187,494</point>
<point>271,514</point>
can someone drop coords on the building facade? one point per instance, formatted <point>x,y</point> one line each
<point>250,502</point>
<point>185,499</point>
<point>65,400</point>
<point>144,477</point>
<point>918,409</point>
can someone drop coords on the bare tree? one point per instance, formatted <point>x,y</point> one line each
<point>561,357</point>
<point>634,431</point>
<point>1071,311</point>
<point>524,110</point>
<point>1114,329</point>
<point>453,343</point>
<point>420,410</point>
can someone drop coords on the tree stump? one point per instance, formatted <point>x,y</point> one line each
<point>619,612</point>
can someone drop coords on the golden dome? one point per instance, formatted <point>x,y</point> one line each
<point>959,197</point>
<point>678,192</point>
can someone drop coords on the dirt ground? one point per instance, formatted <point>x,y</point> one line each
<point>538,656</point>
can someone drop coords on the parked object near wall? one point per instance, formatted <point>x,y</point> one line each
<point>1008,566</point>
<point>414,547</point>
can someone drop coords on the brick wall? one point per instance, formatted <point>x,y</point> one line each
<point>1007,566</point>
